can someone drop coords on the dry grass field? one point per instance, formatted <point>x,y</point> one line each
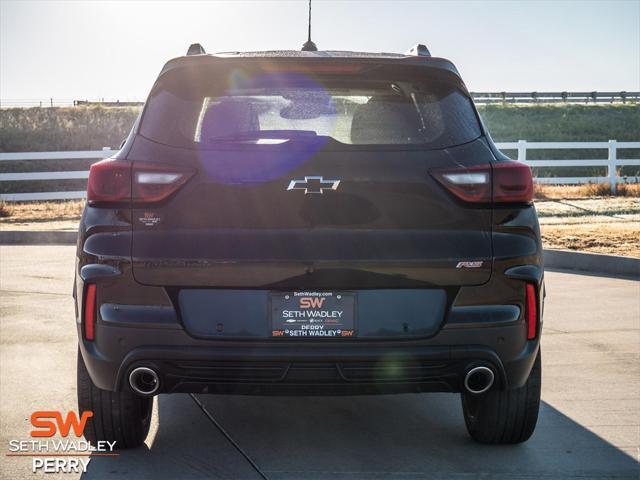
<point>594,234</point>
<point>584,218</point>
<point>567,192</point>
<point>32,212</point>
<point>600,225</point>
<point>570,218</point>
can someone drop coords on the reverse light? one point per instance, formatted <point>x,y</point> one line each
<point>155,182</point>
<point>90,312</point>
<point>471,184</point>
<point>531,311</point>
<point>117,182</point>
<point>504,182</point>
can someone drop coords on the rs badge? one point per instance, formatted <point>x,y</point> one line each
<point>476,264</point>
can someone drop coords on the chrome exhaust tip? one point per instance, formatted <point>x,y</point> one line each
<point>144,381</point>
<point>479,379</point>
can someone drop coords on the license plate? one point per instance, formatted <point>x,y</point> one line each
<point>313,314</point>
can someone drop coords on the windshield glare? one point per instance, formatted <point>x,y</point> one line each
<point>275,108</point>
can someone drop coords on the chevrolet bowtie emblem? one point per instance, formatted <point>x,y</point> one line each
<point>313,185</point>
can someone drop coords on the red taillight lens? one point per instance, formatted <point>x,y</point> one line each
<point>109,182</point>
<point>505,182</point>
<point>90,312</point>
<point>512,183</point>
<point>117,182</point>
<point>531,311</point>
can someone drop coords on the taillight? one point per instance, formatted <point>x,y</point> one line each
<point>471,184</point>
<point>116,182</point>
<point>512,183</point>
<point>109,182</point>
<point>505,182</point>
<point>531,311</point>
<point>90,312</point>
<point>155,182</point>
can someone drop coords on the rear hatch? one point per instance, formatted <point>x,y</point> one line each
<point>310,177</point>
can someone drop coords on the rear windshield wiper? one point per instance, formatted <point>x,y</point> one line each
<point>280,136</point>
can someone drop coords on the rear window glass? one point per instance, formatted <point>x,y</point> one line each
<point>206,108</point>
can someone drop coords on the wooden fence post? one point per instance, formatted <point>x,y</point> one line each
<point>522,150</point>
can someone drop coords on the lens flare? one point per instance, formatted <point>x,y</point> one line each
<point>255,132</point>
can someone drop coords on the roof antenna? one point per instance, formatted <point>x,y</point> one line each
<point>309,46</point>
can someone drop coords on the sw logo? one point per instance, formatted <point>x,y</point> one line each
<point>48,423</point>
<point>311,302</point>
<point>51,455</point>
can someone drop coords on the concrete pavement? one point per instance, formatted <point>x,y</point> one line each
<point>589,425</point>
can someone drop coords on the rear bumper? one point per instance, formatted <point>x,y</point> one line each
<point>185,364</point>
<point>140,326</point>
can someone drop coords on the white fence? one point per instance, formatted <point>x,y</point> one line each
<point>64,175</point>
<point>555,97</point>
<point>612,163</point>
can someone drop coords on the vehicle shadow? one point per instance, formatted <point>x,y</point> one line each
<point>182,443</point>
<point>400,436</point>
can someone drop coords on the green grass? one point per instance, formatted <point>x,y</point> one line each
<point>562,123</point>
<point>55,129</point>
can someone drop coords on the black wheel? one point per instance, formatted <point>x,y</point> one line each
<point>122,417</point>
<point>504,416</point>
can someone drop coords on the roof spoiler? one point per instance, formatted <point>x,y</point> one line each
<point>418,50</point>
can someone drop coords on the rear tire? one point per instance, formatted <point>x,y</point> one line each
<point>504,416</point>
<point>122,417</point>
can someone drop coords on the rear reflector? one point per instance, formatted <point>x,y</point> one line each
<point>531,312</point>
<point>504,182</point>
<point>90,312</point>
<point>119,182</point>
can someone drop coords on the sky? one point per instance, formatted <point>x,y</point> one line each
<point>115,49</point>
